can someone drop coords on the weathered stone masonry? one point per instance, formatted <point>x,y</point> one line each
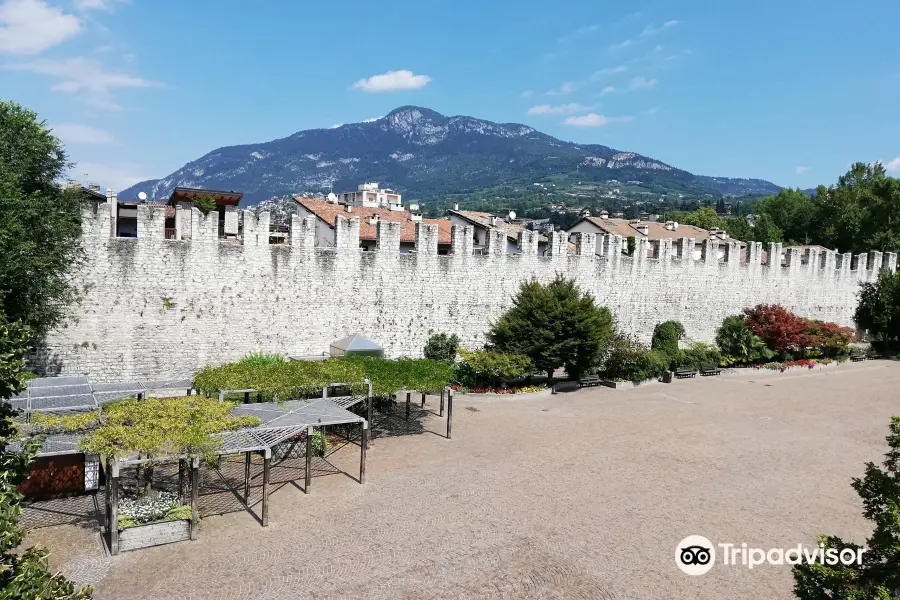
<point>157,308</point>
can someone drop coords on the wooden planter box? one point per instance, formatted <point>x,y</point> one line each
<point>154,534</point>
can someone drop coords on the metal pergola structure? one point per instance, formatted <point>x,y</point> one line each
<point>295,419</point>
<point>77,393</point>
<point>280,422</point>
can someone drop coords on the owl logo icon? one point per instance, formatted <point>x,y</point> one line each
<point>695,555</point>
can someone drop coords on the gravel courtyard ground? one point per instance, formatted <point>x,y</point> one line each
<point>579,495</point>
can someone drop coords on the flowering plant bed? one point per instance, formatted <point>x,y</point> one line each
<point>157,507</point>
<point>522,389</point>
<point>808,363</point>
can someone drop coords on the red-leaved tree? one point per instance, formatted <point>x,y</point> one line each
<point>820,334</point>
<point>778,327</point>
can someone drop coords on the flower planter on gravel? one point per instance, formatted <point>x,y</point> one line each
<point>154,534</point>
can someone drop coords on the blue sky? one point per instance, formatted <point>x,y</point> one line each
<point>792,91</point>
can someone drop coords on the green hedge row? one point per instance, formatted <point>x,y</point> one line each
<point>295,379</point>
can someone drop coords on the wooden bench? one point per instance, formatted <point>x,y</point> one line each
<point>873,356</point>
<point>589,381</point>
<point>707,370</point>
<point>685,372</point>
<point>858,357</point>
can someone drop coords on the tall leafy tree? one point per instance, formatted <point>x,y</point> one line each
<point>22,574</point>
<point>39,222</point>
<point>792,211</point>
<point>738,228</point>
<point>555,325</point>
<point>862,212</point>
<point>878,577</point>
<point>878,310</point>
<point>765,230</point>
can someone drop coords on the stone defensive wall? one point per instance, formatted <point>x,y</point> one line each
<point>155,308</point>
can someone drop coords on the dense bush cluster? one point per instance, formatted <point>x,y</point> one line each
<point>442,347</point>
<point>491,368</point>
<point>629,360</point>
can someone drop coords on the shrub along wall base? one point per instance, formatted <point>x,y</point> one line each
<point>154,534</point>
<point>627,385</point>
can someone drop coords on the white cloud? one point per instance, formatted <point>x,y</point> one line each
<point>566,88</point>
<point>637,83</point>
<point>893,165</point>
<point>85,79</point>
<point>527,93</point>
<point>373,119</point>
<point>610,71</point>
<point>622,45</point>
<point>653,29</point>
<point>641,83</point>
<point>30,26</point>
<point>392,81</point>
<point>562,109</point>
<point>75,133</point>
<point>104,5</point>
<point>800,170</point>
<point>579,33</point>
<point>651,111</point>
<point>336,125</point>
<point>595,120</point>
<point>117,177</point>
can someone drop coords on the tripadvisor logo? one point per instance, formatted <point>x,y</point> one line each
<point>696,555</point>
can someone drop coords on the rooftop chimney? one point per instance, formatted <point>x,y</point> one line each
<point>494,221</point>
<point>456,206</point>
<point>373,220</point>
<point>348,208</point>
<point>604,214</point>
<point>643,229</point>
<point>671,225</point>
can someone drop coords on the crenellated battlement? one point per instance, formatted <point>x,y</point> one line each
<point>220,290</point>
<point>607,250</point>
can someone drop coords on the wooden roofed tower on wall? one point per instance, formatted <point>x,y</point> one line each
<point>227,203</point>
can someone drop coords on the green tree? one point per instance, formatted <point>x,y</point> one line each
<point>22,574</point>
<point>765,230</point>
<point>878,310</point>
<point>39,222</point>
<point>737,341</point>
<point>555,325</point>
<point>704,217</point>
<point>878,577</point>
<point>442,347</point>
<point>792,211</point>
<point>491,367</point>
<point>862,212</point>
<point>666,336</point>
<point>738,228</point>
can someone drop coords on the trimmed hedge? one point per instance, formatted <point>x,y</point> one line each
<point>296,379</point>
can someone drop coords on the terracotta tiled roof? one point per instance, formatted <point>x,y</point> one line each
<point>484,220</point>
<point>656,230</point>
<point>327,211</point>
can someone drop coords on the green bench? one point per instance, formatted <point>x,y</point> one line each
<point>685,372</point>
<point>707,370</point>
<point>589,381</point>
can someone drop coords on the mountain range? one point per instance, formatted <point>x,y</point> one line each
<point>426,155</point>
